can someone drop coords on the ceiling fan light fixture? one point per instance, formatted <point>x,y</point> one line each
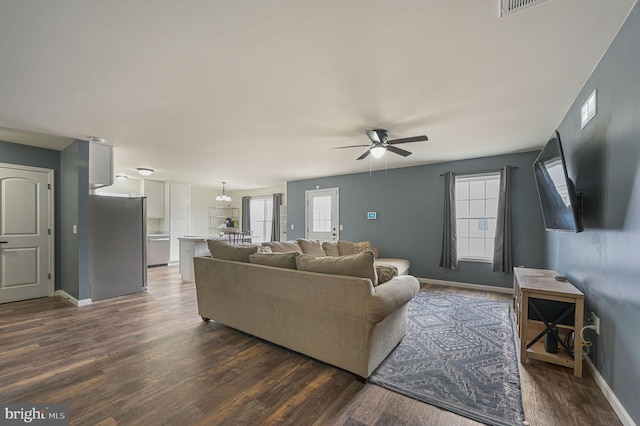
<point>223,196</point>
<point>144,171</point>
<point>378,151</point>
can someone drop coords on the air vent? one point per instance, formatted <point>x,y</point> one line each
<point>509,7</point>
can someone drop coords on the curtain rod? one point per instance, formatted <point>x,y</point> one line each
<point>478,173</point>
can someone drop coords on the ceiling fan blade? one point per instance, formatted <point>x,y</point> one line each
<point>373,135</point>
<point>398,151</point>
<point>363,156</point>
<point>350,146</point>
<point>407,140</point>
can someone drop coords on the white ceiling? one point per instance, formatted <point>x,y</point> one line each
<point>256,93</point>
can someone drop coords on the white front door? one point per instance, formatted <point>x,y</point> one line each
<point>322,214</point>
<point>25,240</point>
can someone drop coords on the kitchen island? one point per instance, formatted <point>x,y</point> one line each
<point>190,247</point>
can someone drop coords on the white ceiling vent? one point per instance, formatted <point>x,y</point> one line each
<point>509,7</point>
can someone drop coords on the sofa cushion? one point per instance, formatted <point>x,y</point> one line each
<point>331,248</point>
<point>346,247</point>
<point>401,265</point>
<point>225,251</point>
<point>278,260</point>
<point>355,265</point>
<point>283,246</point>
<point>385,273</point>
<point>312,247</point>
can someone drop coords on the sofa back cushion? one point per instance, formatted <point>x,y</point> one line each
<point>355,265</point>
<point>283,246</point>
<point>312,247</point>
<point>225,251</point>
<point>331,248</point>
<point>278,260</point>
<point>346,248</point>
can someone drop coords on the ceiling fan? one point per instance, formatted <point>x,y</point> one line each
<point>381,144</point>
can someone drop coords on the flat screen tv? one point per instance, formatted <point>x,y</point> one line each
<point>561,206</point>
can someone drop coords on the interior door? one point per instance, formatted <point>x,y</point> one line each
<point>322,214</point>
<point>25,242</point>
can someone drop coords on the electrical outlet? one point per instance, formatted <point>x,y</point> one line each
<point>595,320</point>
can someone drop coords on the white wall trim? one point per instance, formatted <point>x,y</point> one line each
<point>466,285</point>
<point>70,298</point>
<point>624,417</point>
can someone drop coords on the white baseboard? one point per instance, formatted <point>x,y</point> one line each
<point>624,417</point>
<point>466,285</point>
<point>70,298</point>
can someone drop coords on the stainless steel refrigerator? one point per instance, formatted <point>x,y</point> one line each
<point>117,244</point>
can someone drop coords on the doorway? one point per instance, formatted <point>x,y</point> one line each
<point>26,232</point>
<point>322,214</point>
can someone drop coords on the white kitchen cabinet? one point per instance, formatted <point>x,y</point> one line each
<point>154,191</point>
<point>179,199</point>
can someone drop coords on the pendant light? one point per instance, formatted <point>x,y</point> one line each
<point>223,196</point>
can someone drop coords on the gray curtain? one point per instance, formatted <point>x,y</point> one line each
<point>502,249</point>
<point>246,214</point>
<point>449,257</point>
<point>275,226</point>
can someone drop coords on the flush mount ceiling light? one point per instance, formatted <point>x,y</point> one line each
<point>223,196</point>
<point>96,139</point>
<point>122,178</point>
<point>144,171</point>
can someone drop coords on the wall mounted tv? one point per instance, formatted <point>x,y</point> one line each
<point>561,206</point>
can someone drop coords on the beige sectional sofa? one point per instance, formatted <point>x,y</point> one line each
<point>343,320</point>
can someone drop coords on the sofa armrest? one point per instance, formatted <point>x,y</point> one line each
<point>390,296</point>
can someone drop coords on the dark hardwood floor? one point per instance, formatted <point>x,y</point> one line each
<point>149,359</point>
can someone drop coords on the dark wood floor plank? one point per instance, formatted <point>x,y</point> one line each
<point>148,358</point>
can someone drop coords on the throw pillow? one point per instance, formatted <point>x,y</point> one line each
<point>331,248</point>
<point>355,265</point>
<point>385,273</point>
<point>366,245</point>
<point>283,246</point>
<point>225,251</point>
<point>278,260</point>
<point>312,247</point>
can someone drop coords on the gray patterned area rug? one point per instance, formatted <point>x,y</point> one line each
<point>459,354</point>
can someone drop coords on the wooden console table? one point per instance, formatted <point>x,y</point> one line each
<point>539,284</point>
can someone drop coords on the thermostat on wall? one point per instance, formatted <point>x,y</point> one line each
<point>372,215</point>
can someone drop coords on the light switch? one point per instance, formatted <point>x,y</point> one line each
<point>292,226</point>
<point>341,227</point>
<point>75,229</point>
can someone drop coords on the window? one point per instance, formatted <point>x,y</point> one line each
<point>261,218</point>
<point>476,215</point>
<point>322,214</point>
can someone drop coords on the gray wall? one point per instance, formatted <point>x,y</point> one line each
<point>12,153</point>
<point>409,205</point>
<point>604,261</point>
<point>74,178</point>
